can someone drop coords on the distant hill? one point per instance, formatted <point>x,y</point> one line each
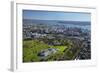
<point>75,22</point>
<point>54,22</point>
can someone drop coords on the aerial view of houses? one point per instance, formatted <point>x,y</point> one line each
<point>56,36</point>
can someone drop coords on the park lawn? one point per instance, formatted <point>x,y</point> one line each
<point>31,48</point>
<point>60,48</point>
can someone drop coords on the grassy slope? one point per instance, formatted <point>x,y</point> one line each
<point>32,47</point>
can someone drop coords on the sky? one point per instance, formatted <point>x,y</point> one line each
<point>52,15</point>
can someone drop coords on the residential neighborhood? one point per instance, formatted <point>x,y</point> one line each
<point>79,45</point>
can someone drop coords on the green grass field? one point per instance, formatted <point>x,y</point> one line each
<point>60,48</point>
<point>32,47</point>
